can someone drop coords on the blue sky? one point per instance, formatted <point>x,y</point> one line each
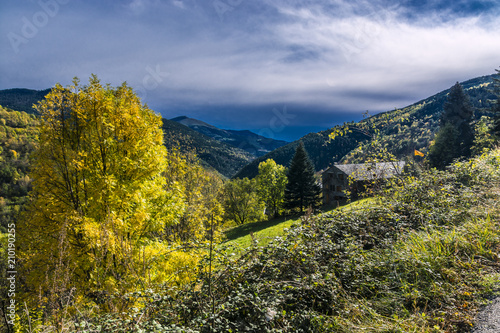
<point>281,68</point>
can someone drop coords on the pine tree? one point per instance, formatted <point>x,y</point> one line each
<point>455,136</point>
<point>459,112</point>
<point>496,105</point>
<point>301,190</point>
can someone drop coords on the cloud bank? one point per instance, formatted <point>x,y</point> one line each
<point>217,58</point>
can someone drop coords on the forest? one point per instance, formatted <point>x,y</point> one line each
<point>110,222</point>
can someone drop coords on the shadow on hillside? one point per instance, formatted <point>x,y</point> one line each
<point>248,228</point>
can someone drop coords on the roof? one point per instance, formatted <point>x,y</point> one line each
<point>370,171</point>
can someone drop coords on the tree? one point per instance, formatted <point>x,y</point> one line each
<point>496,105</point>
<point>203,198</point>
<point>446,144</point>
<point>99,201</point>
<point>271,182</point>
<point>458,113</point>
<point>302,189</point>
<point>241,204</point>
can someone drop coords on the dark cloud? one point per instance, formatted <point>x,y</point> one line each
<point>231,62</point>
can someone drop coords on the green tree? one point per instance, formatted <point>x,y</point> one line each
<point>458,113</point>
<point>302,190</point>
<point>496,105</point>
<point>446,144</point>
<point>242,204</point>
<point>484,139</point>
<point>271,182</point>
<point>99,199</point>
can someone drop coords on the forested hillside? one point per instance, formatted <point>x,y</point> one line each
<point>18,135</point>
<point>214,154</point>
<point>401,131</point>
<point>21,99</point>
<point>255,144</point>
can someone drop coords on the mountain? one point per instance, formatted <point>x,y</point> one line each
<point>21,99</point>
<point>214,154</point>
<point>402,131</point>
<point>220,156</point>
<point>253,143</point>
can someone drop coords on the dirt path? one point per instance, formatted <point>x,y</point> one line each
<point>488,320</point>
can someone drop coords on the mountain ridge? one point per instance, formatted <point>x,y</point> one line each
<point>247,140</point>
<point>412,127</point>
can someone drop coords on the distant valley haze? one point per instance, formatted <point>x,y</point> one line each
<point>279,68</point>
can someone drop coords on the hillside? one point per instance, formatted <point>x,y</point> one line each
<point>402,131</point>
<point>253,143</point>
<point>421,258</point>
<point>21,99</point>
<point>18,134</point>
<point>220,156</point>
<point>223,157</point>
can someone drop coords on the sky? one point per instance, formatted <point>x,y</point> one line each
<point>281,68</point>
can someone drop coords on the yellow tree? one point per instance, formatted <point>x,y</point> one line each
<point>99,197</point>
<point>202,191</point>
<point>271,183</point>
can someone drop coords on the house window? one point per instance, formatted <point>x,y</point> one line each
<point>339,188</point>
<point>341,176</point>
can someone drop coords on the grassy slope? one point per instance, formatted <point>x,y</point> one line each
<point>240,237</point>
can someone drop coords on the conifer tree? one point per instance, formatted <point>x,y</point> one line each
<point>301,190</point>
<point>458,113</point>
<point>496,105</point>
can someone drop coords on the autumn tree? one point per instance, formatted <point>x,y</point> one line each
<point>241,202</point>
<point>203,195</point>
<point>271,183</point>
<point>99,199</point>
<point>302,190</point>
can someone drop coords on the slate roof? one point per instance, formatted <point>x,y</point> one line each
<point>370,171</point>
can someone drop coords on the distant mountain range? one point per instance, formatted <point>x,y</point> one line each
<point>409,128</point>
<point>253,143</point>
<point>238,153</point>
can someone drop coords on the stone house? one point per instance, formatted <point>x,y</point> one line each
<point>339,178</point>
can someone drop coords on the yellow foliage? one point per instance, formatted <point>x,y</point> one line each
<point>99,193</point>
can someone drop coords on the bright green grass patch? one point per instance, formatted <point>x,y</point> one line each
<point>263,232</point>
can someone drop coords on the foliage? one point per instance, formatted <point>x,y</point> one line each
<point>241,202</point>
<point>445,148</point>
<point>496,104</point>
<point>422,259</point>
<point>99,200</point>
<point>484,138</point>
<point>271,183</point>
<point>203,195</point>
<point>455,136</point>
<point>18,134</point>
<point>302,190</point>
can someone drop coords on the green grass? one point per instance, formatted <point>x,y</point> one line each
<point>263,232</point>
<point>240,237</point>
